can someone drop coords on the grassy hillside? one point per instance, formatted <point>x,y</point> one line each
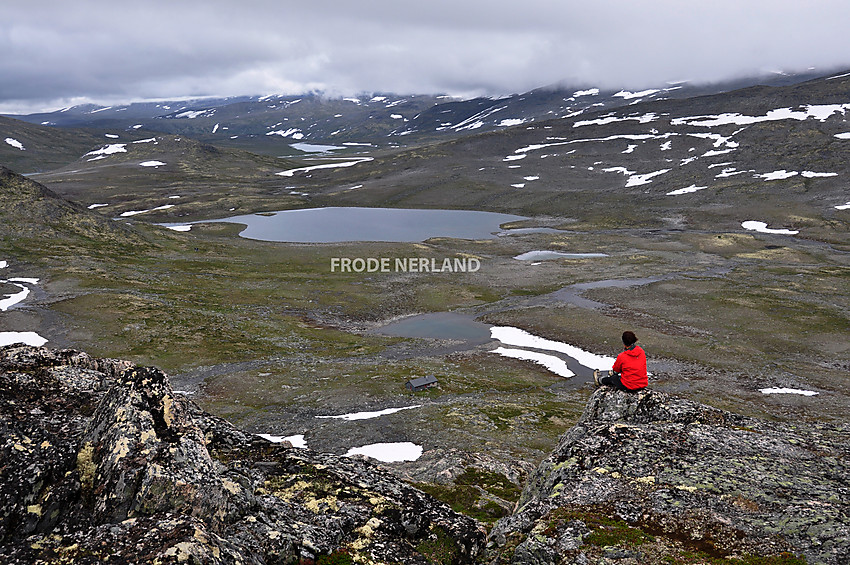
<point>190,178</point>
<point>30,148</point>
<point>35,216</point>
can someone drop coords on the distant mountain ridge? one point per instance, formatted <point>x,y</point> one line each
<point>269,124</point>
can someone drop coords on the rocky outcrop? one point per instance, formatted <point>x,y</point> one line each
<point>101,462</point>
<point>652,478</point>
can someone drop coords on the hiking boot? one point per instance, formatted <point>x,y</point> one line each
<point>596,377</point>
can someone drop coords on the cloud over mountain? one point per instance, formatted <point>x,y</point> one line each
<point>57,53</point>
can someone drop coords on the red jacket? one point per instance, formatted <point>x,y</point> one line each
<point>631,364</point>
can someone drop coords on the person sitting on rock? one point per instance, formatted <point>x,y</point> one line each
<point>629,371</point>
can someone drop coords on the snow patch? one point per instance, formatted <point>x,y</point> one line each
<point>15,143</point>
<point>637,180</point>
<point>686,190</point>
<point>645,118</point>
<point>787,391</point>
<point>369,415</point>
<point>521,338</point>
<point>623,170</point>
<point>192,114</point>
<point>136,212</point>
<point>296,440</point>
<point>626,95</point>
<point>389,452</point>
<point>29,338</point>
<point>543,255</point>
<point>314,148</point>
<point>761,227</point>
<point>292,172</point>
<point>14,298</point>
<point>552,363</point>
<point>716,152</point>
<point>728,172</point>
<point>778,175</point>
<point>819,112</point>
<point>151,164</point>
<point>110,149</point>
<point>294,133</point>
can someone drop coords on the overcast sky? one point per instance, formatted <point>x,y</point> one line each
<point>54,53</point>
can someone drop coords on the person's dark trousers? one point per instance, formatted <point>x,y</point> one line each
<point>613,380</point>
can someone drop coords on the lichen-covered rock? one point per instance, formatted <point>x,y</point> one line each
<point>101,462</point>
<point>648,476</point>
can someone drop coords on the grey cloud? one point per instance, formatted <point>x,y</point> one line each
<point>60,51</point>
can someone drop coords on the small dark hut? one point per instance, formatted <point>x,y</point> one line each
<point>421,383</point>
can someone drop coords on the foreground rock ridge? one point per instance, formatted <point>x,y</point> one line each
<point>653,478</point>
<point>101,462</point>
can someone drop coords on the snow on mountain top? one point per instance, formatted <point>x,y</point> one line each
<point>192,114</point>
<point>511,122</point>
<point>589,92</point>
<point>626,95</point>
<point>644,119</point>
<point>820,112</point>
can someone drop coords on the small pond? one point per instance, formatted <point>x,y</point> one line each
<point>439,325</point>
